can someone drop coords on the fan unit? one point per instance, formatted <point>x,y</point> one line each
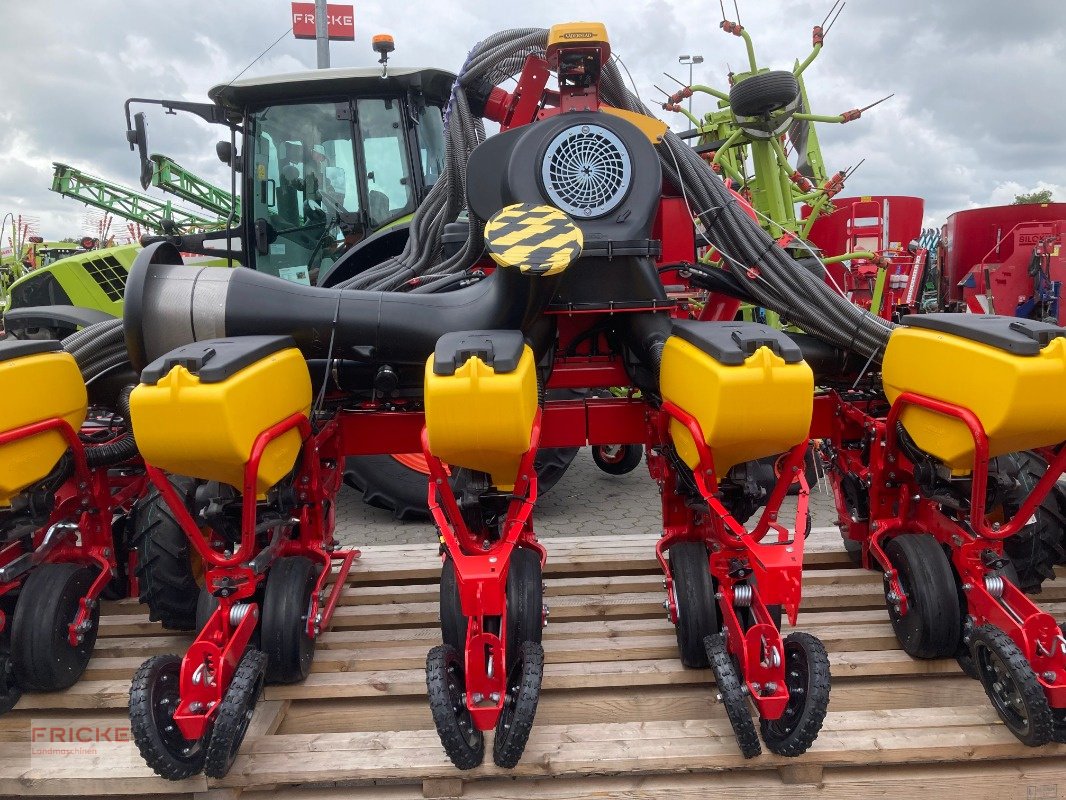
<point>586,171</point>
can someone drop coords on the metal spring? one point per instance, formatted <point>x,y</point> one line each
<point>238,612</point>
<point>994,585</point>
<point>742,596</point>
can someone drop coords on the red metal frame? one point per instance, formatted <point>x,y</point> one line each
<point>772,571</point>
<point>898,507</point>
<point>210,662</point>
<point>88,499</point>
<point>481,571</point>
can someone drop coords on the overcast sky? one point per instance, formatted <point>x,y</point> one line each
<point>977,115</point>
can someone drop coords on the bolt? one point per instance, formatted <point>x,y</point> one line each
<point>495,697</point>
<point>995,526</point>
<point>1048,676</point>
<point>788,549</point>
<point>892,597</point>
<point>896,608</point>
<point>196,708</point>
<point>665,604</point>
<point>967,587</point>
<point>770,688</point>
<point>478,697</point>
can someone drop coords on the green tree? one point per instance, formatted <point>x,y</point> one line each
<point>1038,196</point>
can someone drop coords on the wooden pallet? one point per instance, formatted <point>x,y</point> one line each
<point>619,715</point>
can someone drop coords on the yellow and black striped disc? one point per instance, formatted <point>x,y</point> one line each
<point>539,240</point>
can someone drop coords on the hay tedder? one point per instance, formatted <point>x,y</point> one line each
<point>69,476</point>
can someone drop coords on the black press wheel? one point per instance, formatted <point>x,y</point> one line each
<point>618,459</point>
<point>1012,686</point>
<point>932,626</point>
<point>808,682</point>
<point>519,706</point>
<point>1058,715</point>
<point>154,696</point>
<point>235,713</point>
<point>464,743</point>
<point>42,656</point>
<point>166,562</point>
<point>525,602</point>
<point>452,622</point>
<point>732,694</point>
<point>697,617</point>
<point>284,636</point>
<point>10,691</point>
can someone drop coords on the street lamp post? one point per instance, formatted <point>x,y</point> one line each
<point>690,60</point>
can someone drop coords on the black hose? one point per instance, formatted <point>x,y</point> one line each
<point>121,449</point>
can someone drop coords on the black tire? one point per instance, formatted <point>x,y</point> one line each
<point>697,616</point>
<point>235,713</point>
<point>1036,548</point>
<point>284,638</point>
<point>763,93</point>
<point>853,549</point>
<point>453,623</point>
<point>525,602</point>
<point>206,603</point>
<point>464,744</point>
<point>389,485</point>
<point>732,695</point>
<point>932,626</point>
<point>164,569</point>
<point>118,587</point>
<point>808,681</point>
<point>42,656</point>
<point>154,696</point>
<point>1012,686</point>
<point>520,706</point>
<point>618,459</point>
<point>10,691</point>
<point>1058,715</point>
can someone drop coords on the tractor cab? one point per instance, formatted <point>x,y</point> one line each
<point>330,160</point>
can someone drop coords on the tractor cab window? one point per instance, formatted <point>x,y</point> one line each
<point>431,143</point>
<point>388,179</point>
<point>306,204</point>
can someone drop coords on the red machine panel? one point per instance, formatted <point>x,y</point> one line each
<point>997,246</point>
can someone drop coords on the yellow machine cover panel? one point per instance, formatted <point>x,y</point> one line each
<point>1010,372</point>
<point>200,408</point>
<point>481,400</point>
<point>746,384</point>
<point>38,381</point>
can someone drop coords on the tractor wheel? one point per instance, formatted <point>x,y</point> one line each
<point>1012,686</point>
<point>166,563</point>
<point>1036,548</point>
<point>235,713</point>
<point>697,615</point>
<point>464,743</point>
<point>520,706</point>
<point>808,682</point>
<point>763,93</point>
<point>618,459</point>
<point>154,696</point>
<point>731,694</point>
<point>400,483</point>
<point>932,626</point>
<point>284,636</point>
<point>42,656</point>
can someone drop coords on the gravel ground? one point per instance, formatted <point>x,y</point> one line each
<point>585,502</point>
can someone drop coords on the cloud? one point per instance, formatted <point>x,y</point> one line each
<point>977,84</point>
